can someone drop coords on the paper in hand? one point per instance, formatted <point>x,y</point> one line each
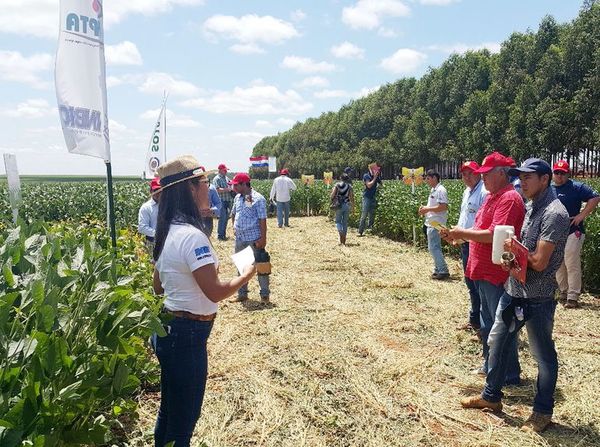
<point>243,259</point>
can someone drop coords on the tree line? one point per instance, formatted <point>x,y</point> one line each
<point>539,96</point>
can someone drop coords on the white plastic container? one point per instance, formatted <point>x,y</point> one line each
<point>501,233</point>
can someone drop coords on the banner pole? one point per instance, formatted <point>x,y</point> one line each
<point>111,206</point>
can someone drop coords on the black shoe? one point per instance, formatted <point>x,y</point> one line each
<point>223,238</point>
<point>440,276</point>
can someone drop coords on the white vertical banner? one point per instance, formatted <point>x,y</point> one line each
<point>14,184</point>
<point>157,150</point>
<point>272,164</point>
<point>80,78</point>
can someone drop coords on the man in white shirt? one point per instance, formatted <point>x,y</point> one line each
<point>280,192</point>
<point>148,215</point>
<point>436,211</point>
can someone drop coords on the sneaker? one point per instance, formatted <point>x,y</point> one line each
<point>571,304</point>
<point>264,299</point>
<point>360,235</point>
<point>537,422</point>
<point>241,299</point>
<point>480,403</point>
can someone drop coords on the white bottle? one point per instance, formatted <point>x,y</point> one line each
<point>501,233</point>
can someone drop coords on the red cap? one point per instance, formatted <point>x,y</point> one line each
<point>561,165</point>
<point>472,165</point>
<point>222,166</point>
<point>155,184</point>
<point>240,177</point>
<point>513,163</point>
<point>494,160</point>
<point>284,172</point>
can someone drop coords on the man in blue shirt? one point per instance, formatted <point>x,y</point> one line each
<point>572,195</point>
<point>369,200</point>
<point>249,217</point>
<point>213,211</point>
<point>472,199</point>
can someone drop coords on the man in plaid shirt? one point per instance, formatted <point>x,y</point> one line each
<point>221,183</point>
<point>249,216</point>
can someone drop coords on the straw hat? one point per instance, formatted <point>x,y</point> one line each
<point>179,170</point>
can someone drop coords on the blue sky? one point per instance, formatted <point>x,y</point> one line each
<point>235,70</point>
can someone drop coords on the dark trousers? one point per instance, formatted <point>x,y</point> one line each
<point>473,291</point>
<point>183,370</point>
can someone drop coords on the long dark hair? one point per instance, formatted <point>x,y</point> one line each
<point>176,202</point>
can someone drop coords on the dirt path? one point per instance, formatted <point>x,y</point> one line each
<point>360,348</point>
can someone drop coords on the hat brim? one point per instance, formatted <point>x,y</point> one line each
<point>484,169</point>
<point>566,171</point>
<point>200,174</point>
<point>517,171</point>
<point>467,168</point>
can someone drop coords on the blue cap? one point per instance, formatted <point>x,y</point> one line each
<point>532,165</point>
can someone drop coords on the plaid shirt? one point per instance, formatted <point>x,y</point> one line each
<point>220,181</point>
<point>505,207</point>
<point>247,211</point>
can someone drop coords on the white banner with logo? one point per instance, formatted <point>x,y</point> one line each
<point>157,150</point>
<point>272,164</point>
<point>80,77</point>
<point>14,183</point>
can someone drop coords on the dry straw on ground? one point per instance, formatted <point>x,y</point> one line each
<point>360,348</point>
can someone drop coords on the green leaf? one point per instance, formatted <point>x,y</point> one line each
<point>37,291</point>
<point>120,377</point>
<point>45,317</point>
<point>69,391</point>
<point>10,437</point>
<point>8,275</point>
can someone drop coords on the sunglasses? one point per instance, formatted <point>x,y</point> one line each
<point>560,173</point>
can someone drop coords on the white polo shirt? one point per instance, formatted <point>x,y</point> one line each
<point>436,196</point>
<point>186,249</point>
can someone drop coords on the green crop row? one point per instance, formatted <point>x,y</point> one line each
<point>73,324</point>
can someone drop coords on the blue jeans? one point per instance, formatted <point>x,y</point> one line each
<point>283,213</point>
<point>538,317</point>
<point>263,280</point>
<point>223,216</point>
<point>434,244</point>
<point>368,210</point>
<point>183,370</point>
<point>341,217</point>
<point>473,292</point>
<point>490,297</point>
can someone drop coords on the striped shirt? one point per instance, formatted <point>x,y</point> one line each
<point>220,181</point>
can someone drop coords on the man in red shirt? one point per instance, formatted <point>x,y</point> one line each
<point>502,206</point>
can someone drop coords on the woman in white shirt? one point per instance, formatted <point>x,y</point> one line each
<point>186,272</point>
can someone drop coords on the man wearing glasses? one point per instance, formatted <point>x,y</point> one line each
<point>572,195</point>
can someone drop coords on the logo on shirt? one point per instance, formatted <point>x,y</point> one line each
<point>202,252</point>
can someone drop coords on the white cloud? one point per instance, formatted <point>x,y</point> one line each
<point>262,123</point>
<point>369,13</point>
<point>328,94</point>
<point>257,99</point>
<point>32,108</point>
<point>312,82</point>
<point>347,50</point>
<point>386,32</point>
<point>124,53</point>
<point>40,17</point>
<point>306,65</point>
<point>25,69</point>
<point>403,61</point>
<point>246,48</point>
<point>159,82</point>
<point>173,119</point>
<point>249,31</point>
<point>247,135</point>
<point>438,2</point>
<point>460,48</point>
<point>113,81</point>
<point>286,121</point>
<point>298,15</point>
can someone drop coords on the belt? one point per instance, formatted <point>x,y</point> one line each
<point>190,316</point>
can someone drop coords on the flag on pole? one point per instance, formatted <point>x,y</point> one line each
<point>80,77</point>
<point>157,150</point>
<point>262,161</point>
<point>14,184</point>
<point>272,164</point>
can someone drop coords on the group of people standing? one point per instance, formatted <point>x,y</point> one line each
<point>548,220</point>
<point>175,223</point>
